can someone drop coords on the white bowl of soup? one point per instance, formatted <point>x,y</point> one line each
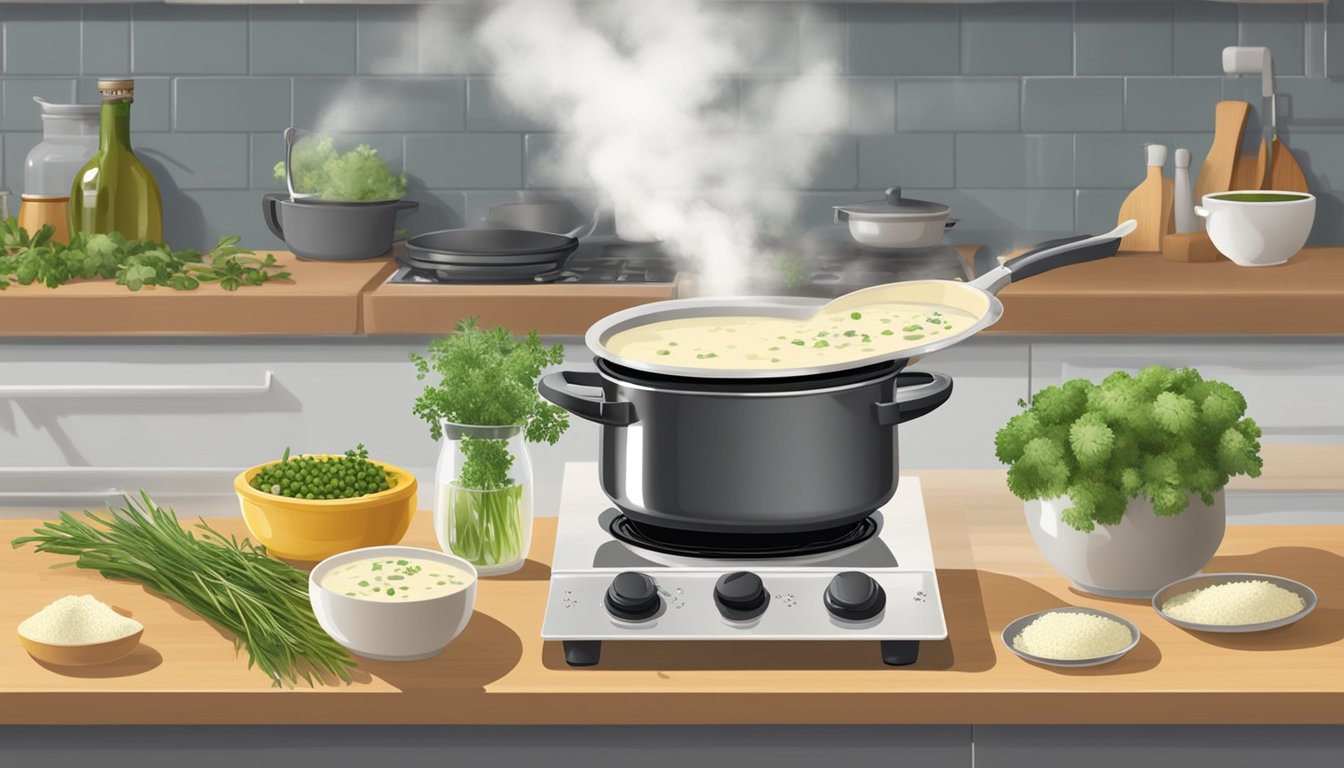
<point>393,603</point>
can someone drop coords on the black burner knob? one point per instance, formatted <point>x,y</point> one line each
<point>632,596</point>
<point>740,596</point>
<point>855,596</point>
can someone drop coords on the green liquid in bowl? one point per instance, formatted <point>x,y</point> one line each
<point>1259,197</point>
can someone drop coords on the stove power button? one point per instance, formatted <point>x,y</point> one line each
<point>633,597</point>
<point>855,596</point>
<point>740,596</point>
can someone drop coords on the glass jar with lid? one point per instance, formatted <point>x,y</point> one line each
<point>69,139</point>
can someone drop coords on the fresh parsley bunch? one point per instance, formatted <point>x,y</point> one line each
<point>26,259</point>
<point>1163,434</point>
<point>488,378</point>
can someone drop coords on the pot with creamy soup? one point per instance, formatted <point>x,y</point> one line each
<point>723,456</point>
<point>766,416</point>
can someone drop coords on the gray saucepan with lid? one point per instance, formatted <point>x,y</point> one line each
<point>895,221</point>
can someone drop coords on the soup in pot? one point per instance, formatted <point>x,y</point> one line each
<point>748,342</point>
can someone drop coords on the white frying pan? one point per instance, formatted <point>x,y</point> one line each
<point>976,298</point>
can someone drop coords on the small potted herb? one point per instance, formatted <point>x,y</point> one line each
<point>1124,480</point>
<point>484,407</point>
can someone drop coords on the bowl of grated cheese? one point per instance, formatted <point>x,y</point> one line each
<point>79,630</point>
<point>1071,637</point>
<point>1234,602</point>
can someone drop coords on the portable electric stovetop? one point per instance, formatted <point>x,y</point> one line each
<point>874,581</point>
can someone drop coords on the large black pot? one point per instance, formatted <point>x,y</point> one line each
<point>752,456</point>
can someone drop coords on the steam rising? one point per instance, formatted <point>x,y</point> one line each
<point>644,94</point>
<point>643,97</point>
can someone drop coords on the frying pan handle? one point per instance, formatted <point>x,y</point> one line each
<point>1055,253</point>
<point>917,393</point>
<point>270,204</point>
<point>555,387</point>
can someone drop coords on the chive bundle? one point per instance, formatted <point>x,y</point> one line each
<point>236,585</point>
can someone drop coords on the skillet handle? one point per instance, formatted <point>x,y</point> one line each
<point>1053,254</point>
<point>917,393</point>
<point>555,387</point>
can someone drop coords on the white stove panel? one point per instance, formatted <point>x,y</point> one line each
<point>574,610</point>
<point>587,559</point>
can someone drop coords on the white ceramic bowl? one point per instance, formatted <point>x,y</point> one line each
<point>1258,233</point>
<point>415,629</point>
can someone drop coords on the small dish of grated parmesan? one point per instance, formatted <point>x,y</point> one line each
<point>1071,637</point>
<point>77,630</point>
<point>1234,602</point>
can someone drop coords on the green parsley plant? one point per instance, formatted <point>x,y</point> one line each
<point>1164,434</point>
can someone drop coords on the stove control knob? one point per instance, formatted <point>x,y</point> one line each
<point>633,597</point>
<point>740,596</point>
<point>855,596</point>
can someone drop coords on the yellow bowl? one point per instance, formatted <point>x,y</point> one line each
<point>313,530</point>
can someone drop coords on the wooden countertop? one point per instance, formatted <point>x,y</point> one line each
<point>1131,294</point>
<point>323,298</point>
<point>500,671</point>
<point>1144,294</point>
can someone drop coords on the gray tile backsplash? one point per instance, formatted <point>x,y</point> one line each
<point>1027,118</point>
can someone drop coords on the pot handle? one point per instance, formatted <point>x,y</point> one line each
<point>917,393</point>
<point>555,387</point>
<point>1202,212</point>
<point>407,205</point>
<point>270,209</point>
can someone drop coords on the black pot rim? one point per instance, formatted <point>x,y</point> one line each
<point>792,384</point>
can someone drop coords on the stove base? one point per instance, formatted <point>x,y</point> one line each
<point>587,653</point>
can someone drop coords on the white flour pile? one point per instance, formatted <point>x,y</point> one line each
<point>1073,636</point>
<point>1236,602</point>
<point>75,620</point>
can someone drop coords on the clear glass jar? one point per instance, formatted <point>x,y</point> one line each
<point>483,496</point>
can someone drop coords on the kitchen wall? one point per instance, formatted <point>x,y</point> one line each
<point>1028,118</point>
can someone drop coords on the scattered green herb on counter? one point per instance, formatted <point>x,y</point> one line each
<point>1164,434</point>
<point>261,600</point>
<point>360,174</point>
<point>26,259</point>
<point>327,477</point>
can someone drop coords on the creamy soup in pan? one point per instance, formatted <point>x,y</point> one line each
<point>394,579</point>
<point>762,343</point>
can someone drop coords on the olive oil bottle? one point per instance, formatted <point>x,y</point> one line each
<point>114,191</point>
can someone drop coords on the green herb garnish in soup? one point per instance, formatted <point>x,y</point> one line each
<point>1259,197</point>
<point>417,579</point>
<point>695,342</point>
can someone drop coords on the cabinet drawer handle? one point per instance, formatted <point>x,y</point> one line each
<point>16,391</point>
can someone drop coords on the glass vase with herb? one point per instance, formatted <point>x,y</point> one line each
<point>484,407</point>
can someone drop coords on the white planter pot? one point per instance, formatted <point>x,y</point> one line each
<point>1136,558</point>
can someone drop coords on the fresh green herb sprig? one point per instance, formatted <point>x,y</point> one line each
<point>489,378</point>
<point>328,477</point>
<point>261,600</point>
<point>360,174</point>
<point>26,259</point>
<point>1163,434</point>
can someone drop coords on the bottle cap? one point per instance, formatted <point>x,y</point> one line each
<point>116,89</point>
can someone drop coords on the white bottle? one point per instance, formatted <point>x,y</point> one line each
<point>1184,206</point>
